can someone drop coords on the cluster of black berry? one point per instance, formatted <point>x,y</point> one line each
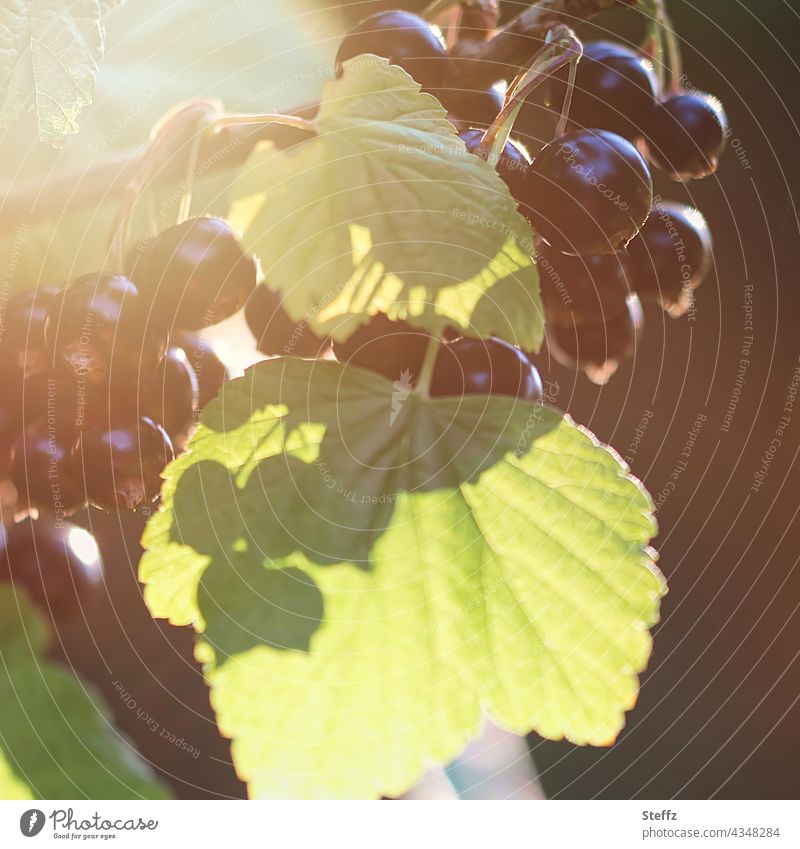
<point>102,379</point>
<point>601,243</point>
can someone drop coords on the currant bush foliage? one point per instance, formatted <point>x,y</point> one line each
<point>51,49</point>
<point>384,210</point>
<point>56,742</point>
<point>369,571</point>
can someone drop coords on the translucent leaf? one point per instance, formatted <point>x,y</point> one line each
<point>56,742</point>
<point>384,210</point>
<point>367,574</point>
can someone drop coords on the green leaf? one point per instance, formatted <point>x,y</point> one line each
<point>384,210</point>
<point>49,60</point>
<point>369,572</point>
<point>56,742</point>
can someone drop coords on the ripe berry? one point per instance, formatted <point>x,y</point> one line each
<point>22,331</point>
<point>209,369</point>
<point>615,89</point>
<point>170,396</point>
<point>582,288</point>
<point>122,464</point>
<point>512,166</point>
<point>469,366</point>
<point>594,344</point>
<point>588,192</point>
<point>275,332</point>
<point>473,108</point>
<point>43,468</point>
<point>57,563</point>
<point>98,325</point>
<point>195,274</point>
<point>404,39</point>
<point>391,348</point>
<point>686,136</point>
<point>671,254</point>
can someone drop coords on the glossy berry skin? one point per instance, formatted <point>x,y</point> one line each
<point>582,288</point>
<point>473,108</point>
<point>122,464</point>
<point>43,468</point>
<point>588,192</point>
<point>596,343</point>
<point>615,89</point>
<point>393,349</point>
<point>276,334</point>
<point>22,326</point>
<point>687,135</point>
<point>170,396</point>
<point>195,273</point>
<point>56,563</point>
<point>468,366</point>
<point>671,254</point>
<point>512,166</point>
<point>99,324</point>
<point>209,369</point>
<point>404,39</point>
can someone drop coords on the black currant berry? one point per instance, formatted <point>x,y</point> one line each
<point>122,464</point>
<point>588,192</point>
<point>275,332</point>
<point>404,39</point>
<point>671,254</point>
<point>473,108</point>
<point>170,396</point>
<point>512,166</point>
<point>196,273</point>
<point>595,344</point>
<point>391,348</point>
<point>57,563</point>
<point>22,325</point>
<point>469,366</point>
<point>686,136</point>
<point>43,468</point>
<point>615,89</point>
<point>582,288</point>
<point>209,369</point>
<point>99,324</point>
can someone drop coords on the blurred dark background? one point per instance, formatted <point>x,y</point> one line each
<point>718,712</point>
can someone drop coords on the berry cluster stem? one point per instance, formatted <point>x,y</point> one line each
<point>426,372</point>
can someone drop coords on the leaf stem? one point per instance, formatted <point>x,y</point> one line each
<point>428,363</point>
<point>260,119</point>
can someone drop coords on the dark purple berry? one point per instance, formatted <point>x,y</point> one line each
<point>391,348</point>
<point>22,325</point>
<point>471,108</point>
<point>122,464</point>
<point>470,366</point>
<point>512,165</point>
<point>43,468</point>
<point>209,369</point>
<point>588,192</point>
<point>56,563</point>
<point>275,332</point>
<point>582,288</point>
<point>195,273</point>
<point>99,324</point>
<point>615,89</point>
<point>671,255</point>
<point>404,39</point>
<point>687,134</point>
<point>170,397</point>
<point>593,345</point>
